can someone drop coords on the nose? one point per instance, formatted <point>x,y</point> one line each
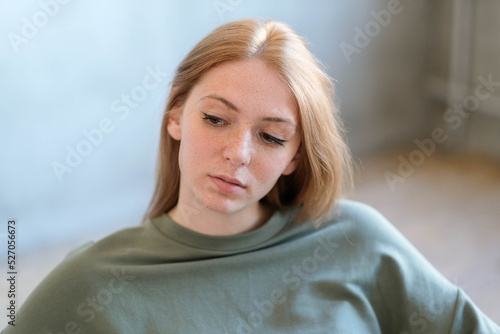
<point>238,149</point>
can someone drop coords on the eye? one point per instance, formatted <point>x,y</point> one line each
<point>272,140</point>
<point>213,120</point>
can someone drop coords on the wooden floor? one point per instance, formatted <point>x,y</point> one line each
<point>449,208</point>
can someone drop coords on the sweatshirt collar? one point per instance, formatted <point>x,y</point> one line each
<point>242,242</point>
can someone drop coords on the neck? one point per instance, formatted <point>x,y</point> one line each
<point>210,222</point>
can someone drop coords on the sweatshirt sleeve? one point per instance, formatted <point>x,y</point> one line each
<point>469,319</point>
<point>409,294</point>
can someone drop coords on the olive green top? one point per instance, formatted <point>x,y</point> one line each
<point>355,273</point>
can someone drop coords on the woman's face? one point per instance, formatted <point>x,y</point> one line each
<point>239,132</point>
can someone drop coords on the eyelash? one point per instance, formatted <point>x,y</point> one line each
<point>272,140</point>
<point>216,121</point>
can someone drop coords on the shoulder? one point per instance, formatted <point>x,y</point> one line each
<point>357,212</point>
<point>368,238</point>
<point>363,223</point>
<point>89,262</point>
<point>355,224</point>
<point>121,248</point>
<point>83,283</point>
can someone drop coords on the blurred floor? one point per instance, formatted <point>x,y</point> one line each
<point>449,208</point>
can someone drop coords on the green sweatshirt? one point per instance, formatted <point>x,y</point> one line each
<point>353,274</point>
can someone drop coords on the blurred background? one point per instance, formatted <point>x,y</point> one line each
<point>83,86</point>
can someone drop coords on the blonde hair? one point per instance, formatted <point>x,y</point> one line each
<point>324,166</point>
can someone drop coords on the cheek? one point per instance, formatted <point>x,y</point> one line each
<point>195,145</point>
<point>271,167</point>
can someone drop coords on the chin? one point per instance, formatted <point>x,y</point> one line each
<point>223,205</point>
<point>224,208</point>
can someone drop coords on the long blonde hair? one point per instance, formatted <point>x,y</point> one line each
<point>324,166</point>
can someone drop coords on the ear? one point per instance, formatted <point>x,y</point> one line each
<point>292,166</point>
<point>174,123</point>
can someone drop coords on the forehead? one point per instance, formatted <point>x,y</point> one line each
<point>251,85</point>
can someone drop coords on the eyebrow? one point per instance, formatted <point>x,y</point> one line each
<point>221,99</point>
<point>233,107</point>
<point>280,120</point>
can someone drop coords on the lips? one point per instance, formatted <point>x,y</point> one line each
<point>229,180</point>
<point>227,184</point>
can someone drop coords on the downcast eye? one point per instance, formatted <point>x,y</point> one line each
<point>213,120</point>
<point>272,140</point>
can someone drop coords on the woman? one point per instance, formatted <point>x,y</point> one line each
<point>246,232</point>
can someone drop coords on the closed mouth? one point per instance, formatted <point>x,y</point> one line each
<point>229,180</point>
